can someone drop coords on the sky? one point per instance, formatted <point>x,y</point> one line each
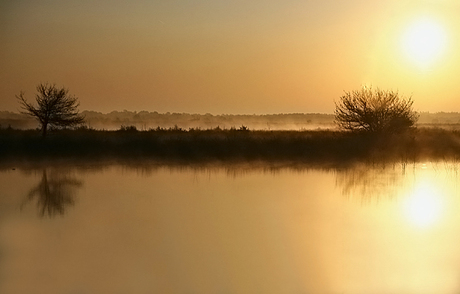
<point>230,57</point>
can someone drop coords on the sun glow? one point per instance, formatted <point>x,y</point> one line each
<point>424,41</point>
<point>424,207</point>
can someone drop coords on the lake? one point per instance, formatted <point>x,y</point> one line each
<point>146,228</point>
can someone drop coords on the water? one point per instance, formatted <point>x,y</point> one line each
<point>179,229</point>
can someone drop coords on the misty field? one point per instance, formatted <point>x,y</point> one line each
<point>324,147</point>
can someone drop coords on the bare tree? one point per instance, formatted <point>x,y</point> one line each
<point>56,108</point>
<point>376,111</point>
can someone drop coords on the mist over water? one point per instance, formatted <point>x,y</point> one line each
<point>233,228</point>
<point>145,120</point>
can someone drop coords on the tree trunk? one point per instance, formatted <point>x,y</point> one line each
<point>44,128</point>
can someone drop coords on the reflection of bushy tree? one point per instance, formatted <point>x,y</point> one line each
<point>370,182</point>
<point>54,193</point>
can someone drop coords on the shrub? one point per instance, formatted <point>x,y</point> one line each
<point>128,128</point>
<point>374,111</point>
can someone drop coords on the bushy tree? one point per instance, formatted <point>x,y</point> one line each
<point>55,107</point>
<point>375,111</point>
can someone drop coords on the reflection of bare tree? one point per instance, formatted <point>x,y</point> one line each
<point>371,182</point>
<point>54,193</point>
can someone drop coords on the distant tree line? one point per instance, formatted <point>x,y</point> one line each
<point>364,110</point>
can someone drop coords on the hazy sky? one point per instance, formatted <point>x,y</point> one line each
<point>218,56</point>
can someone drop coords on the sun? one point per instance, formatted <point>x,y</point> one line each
<point>424,41</point>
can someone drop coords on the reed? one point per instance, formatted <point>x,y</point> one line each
<point>194,145</point>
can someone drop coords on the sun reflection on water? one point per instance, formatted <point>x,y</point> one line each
<point>423,191</point>
<point>424,207</point>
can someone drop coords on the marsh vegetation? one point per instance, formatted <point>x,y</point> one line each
<point>176,144</point>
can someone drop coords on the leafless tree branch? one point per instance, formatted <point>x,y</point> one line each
<point>55,107</point>
<point>378,111</point>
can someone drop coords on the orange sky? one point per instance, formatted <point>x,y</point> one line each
<point>224,56</point>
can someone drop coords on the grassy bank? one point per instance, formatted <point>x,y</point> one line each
<point>321,147</point>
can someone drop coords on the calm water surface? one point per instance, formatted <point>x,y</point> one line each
<point>146,229</point>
